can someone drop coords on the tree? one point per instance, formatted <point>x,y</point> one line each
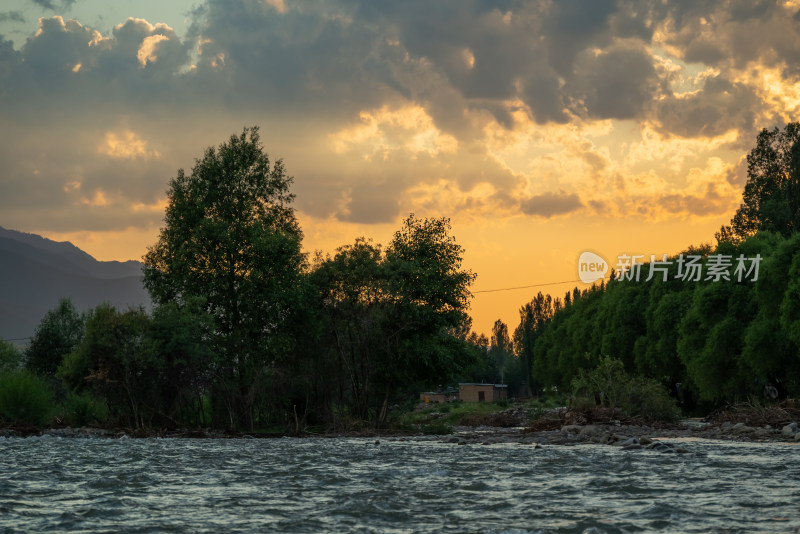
<point>429,292</point>
<point>532,318</point>
<point>113,361</point>
<point>231,237</point>
<point>352,291</point>
<point>10,357</point>
<point>59,332</point>
<point>771,198</point>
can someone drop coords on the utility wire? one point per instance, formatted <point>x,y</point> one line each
<point>526,287</point>
<point>473,292</point>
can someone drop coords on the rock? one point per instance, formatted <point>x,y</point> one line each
<point>796,437</point>
<point>571,429</point>
<point>660,446</point>
<point>631,447</point>
<point>630,442</point>
<point>645,440</point>
<point>789,430</point>
<point>452,439</point>
<point>589,431</point>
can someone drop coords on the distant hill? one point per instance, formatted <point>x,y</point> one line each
<point>36,272</point>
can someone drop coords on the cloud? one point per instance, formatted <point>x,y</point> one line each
<point>618,83</point>
<point>381,108</point>
<point>718,107</point>
<point>551,204</point>
<point>49,5</point>
<point>12,16</point>
<point>126,145</point>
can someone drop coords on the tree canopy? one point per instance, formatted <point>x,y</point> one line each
<point>231,238</point>
<point>771,198</point>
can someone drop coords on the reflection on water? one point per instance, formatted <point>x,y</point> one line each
<point>341,485</point>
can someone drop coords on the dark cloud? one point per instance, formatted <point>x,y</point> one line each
<point>309,71</point>
<point>370,205</point>
<point>12,16</point>
<point>720,106</point>
<point>710,203</point>
<point>52,6</point>
<point>550,204</point>
<point>619,83</point>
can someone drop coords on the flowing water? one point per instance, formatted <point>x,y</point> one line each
<point>52,484</point>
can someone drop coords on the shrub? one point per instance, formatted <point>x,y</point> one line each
<point>634,396</point>
<point>25,399</point>
<point>82,410</point>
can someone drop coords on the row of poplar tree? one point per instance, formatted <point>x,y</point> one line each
<point>709,341</point>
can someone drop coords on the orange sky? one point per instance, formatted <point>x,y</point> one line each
<point>541,129</point>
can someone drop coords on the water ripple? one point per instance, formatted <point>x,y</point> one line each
<point>353,485</point>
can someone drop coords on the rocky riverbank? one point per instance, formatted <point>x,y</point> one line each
<point>562,426</point>
<point>625,436</point>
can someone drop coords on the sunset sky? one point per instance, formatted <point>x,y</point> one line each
<point>540,128</point>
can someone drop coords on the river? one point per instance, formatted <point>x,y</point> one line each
<point>50,484</point>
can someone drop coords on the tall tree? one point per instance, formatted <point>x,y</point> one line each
<point>771,198</point>
<point>532,318</point>
<point>231,237</point>
<point>502,348</point>
<point>430,296</point>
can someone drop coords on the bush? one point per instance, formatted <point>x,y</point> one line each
<point>82,410</point>
<point>25,399</point>
<point>609,386</point>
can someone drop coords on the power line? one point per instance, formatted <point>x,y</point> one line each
<point>526,287</point>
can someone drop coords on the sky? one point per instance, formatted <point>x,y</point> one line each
<point>541,129</point>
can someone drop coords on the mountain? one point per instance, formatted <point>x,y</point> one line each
<point>36,272</point>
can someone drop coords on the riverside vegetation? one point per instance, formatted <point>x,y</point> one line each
<point>249,334</point>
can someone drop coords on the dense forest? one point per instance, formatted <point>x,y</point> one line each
<point>249,333</point>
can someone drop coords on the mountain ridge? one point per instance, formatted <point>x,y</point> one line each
<point>35,272</point>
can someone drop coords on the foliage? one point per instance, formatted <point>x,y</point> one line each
<point>771,199</point>
<point>10,357</point>
<point>55,337</point>
<point>392,317</point>
<point>84,409</point>
<point>709,342</point>
<point>231,237</point>
<point>146,368</point>
<point>533,316</point>
<point>25,399</point>
<point>634,396</point>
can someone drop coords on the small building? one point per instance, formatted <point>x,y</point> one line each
<point>473,392</point>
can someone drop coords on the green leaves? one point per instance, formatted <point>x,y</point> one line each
<point>59,331</point>
<point>771,198</point>
<point>231,238</point>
